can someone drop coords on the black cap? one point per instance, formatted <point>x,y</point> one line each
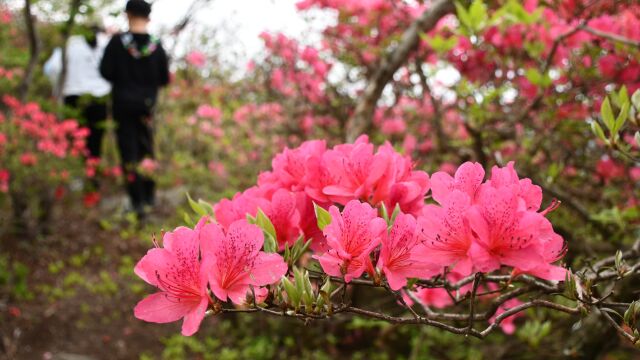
<point>138,8</point>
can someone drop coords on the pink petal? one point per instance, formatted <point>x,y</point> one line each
<point>211,237</point>
<point>337,190</point>
<point>193,319</point>
<point>330,264</point>
<point>549,272</point>
<point>478,224</point>
<point>482,259</point>
<point>155,263</point>
<point>183,242</point>
<point>238,293</point>
<point>162,308</point>
<point>396,280</point>
<point>268,269</point>
<point>441,184</point>
<point>468,177</point>
<point>524,259</point>
<point>244,235</point>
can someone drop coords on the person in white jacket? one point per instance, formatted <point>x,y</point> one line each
<point>85,92</point>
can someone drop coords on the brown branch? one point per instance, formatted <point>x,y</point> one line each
<point>615,325</point>
<point>472,303</point>
<point>395,57</point>
<point>609,36</point>
<point>34,50</point>
<point>545,67</point>
<point>441,140</point>
<point>525,306</point>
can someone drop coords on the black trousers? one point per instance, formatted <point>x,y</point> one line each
<point>91,112</point>
<point>135,143</point>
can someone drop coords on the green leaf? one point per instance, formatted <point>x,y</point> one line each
<point>441,44</point>
<point>196,207</point>
<point>631,314</point>
<point>635,99</point>
<point>208,207</point>
<point>597,130</point>
<point>292,293</point>
<point>270,244</point>
<point>607,114</point>
<point>308,294</point>
<point>187,220</point>
<point>478,15</point>
<point>570,287</point>
<point>323,216</point>
<point>463,16</point>
<point>265,224</point>
<point>537,78</point>
<point>618,260</point>
<point>622,118</point>
<point>623,95</point>
<point>298,277</point>
<point>385,213</point>
<point>324,296</point>
<point>396,211</point>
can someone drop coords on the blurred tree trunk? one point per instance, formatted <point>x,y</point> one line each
<point>362,119</point>
<point>34,51</point>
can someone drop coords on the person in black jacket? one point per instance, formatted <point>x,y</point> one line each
<point>136,65</point>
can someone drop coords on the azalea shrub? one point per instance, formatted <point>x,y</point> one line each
<point>275,248</point>
<point>39,154</point>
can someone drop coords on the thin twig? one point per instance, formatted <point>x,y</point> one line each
<point>609,36</point>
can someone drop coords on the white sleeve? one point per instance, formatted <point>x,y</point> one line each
<point>53,66</point>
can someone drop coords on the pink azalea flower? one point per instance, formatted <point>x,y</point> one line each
<point>351,237</point>
<point>467,179</point>
<point>398,258</point>
<point>289,167</point>
<point>182,280</point>
<point>285,217</point>
<point>445,232</point>
<point>401,185</point>
<point>358,169</point>
<point>309,222</point>
<point>530,196</point>
<point>235,261</point>
<point>148,165</point>
<point>553,249</point>
<point>505,234</point>
<point>4,180</point>
<point>196,58</point>
<point>209,112</point>
<point>227,211</point>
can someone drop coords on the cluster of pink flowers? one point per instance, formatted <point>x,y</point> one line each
<point>196,58</point>
<point>474,225</point>
<point>228,261</point>
<point>5,15</point>
<point>313,173</point>
<point>300,69</point>
<point>208,119</point>
<point>51,136</point>
<point>365,26</point>
<point>30,137</point>
<point>266,112</point>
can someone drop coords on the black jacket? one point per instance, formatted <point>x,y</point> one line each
<point>135,78</point>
